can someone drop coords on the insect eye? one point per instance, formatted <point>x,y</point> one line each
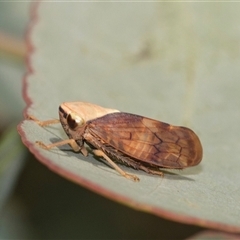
<point>74,121</point>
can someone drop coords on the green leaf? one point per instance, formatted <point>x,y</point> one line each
<point>178,63</point>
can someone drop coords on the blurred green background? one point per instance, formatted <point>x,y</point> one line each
<point>36,203</point>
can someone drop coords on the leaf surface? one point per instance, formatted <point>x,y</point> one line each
<point>170,62</point>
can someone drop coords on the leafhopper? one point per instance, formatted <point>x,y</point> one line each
<point>136,141</point>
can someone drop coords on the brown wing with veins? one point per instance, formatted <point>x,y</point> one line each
<point>148,140</point>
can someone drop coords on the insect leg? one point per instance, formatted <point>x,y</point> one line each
<point>71,142</point>
<point>100,153</point>
<point>43,123</point>
<point>131,162</point>
<point>151,171</point>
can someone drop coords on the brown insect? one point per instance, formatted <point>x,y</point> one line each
<point>136,141</point>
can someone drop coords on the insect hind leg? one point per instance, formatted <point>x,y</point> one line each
<point>109,153</point>
<point>131,162</point>
<point>100,153</point>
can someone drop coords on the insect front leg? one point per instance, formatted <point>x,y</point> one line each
<point>71,142</point>
<point>100,153</point>
<point>43,123</point>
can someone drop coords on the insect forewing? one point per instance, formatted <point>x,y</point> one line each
<point>148,140</point>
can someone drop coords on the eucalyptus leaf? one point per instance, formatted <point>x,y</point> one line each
<point>178,63</point>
